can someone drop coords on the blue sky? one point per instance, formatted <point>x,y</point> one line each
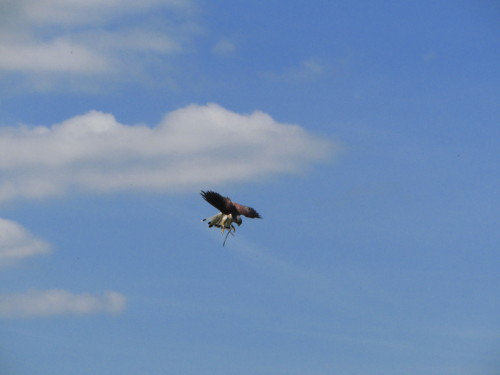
<point>365,134</point>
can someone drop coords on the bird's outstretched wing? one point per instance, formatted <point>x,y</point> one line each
<point>223,204</point>
<point>247,211</point>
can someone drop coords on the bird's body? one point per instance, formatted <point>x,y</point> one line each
<point>221,221</point>
<point>230,212</point>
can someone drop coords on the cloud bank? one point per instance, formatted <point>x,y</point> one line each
<point>48,41</point>
<point>17,243</point>
<point>191,147</point>
<point>35,303</point>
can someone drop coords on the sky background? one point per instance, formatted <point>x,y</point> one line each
<point>365,133</point>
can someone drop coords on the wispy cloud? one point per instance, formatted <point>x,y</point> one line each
<point>193,146</point>
<point>224,47</point>
<point>51,40</point>
<point>17,243</point>
<point>429,56</point>
<point>59,55</point>
<point>306,70</point>
<point>45,303</point>
<point>86,12</point>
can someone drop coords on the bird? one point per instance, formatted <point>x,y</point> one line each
<point>230,212</point>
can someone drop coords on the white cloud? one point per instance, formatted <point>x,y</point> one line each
<point>17,243</point>
<point>50,40</point>
<point>85,12</point>
<point>191,147</point>
<point>58,55</point>
<point>77,13</point>
<point>36,303</point>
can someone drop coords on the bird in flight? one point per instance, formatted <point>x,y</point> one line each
<point>230,212</point>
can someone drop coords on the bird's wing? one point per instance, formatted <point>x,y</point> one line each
<point>247,211</point>
<point>223,204</point>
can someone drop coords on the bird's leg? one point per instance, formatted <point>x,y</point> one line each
<point>223,223</point>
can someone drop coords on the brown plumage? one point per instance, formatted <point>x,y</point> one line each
<point>227,206</point>
<point>230,211</point>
